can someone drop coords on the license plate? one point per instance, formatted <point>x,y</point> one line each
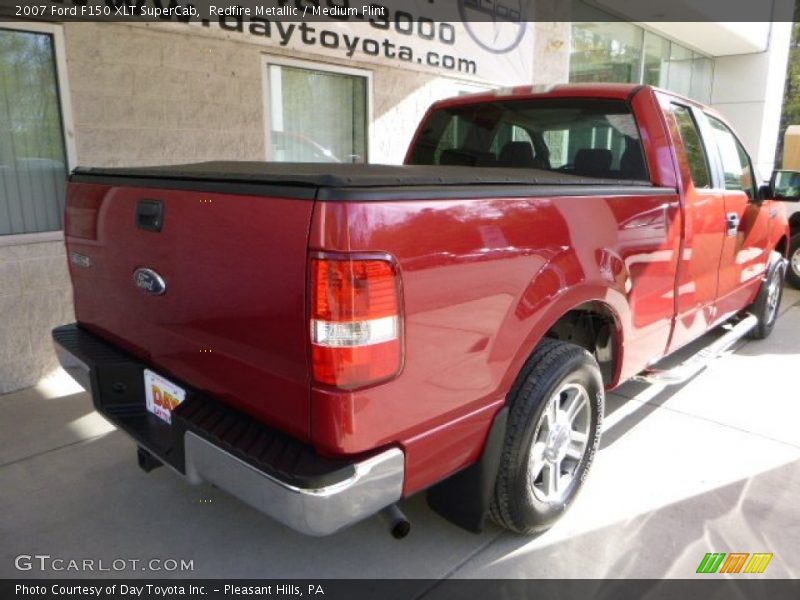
<point>161,395</point>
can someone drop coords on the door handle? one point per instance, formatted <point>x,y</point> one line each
<point>732,221</point>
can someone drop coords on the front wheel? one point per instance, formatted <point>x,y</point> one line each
<point>768,301</point>
<point>552,435</point>
<point>793,276</point>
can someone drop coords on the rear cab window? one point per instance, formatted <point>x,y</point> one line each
<point>589,137</point>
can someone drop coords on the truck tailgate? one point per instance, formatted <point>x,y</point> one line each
<point>231,318</point>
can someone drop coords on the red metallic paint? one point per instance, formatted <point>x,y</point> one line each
<point>233,319</point>
<point>701,243</point>
<point>483,281</point>
<point>479,276</point>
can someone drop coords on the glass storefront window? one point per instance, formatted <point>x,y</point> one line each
<point>33,163</point>
<point>679,78</point>
<point>317,116</point>
<point>626,53</point>
<point>656,59</point>
<point>606,52</point>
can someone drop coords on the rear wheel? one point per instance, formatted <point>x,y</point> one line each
<point>793,276</point>
<point>551,438</point>
<point>768,301</point>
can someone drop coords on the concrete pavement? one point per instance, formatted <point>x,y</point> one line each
<point>713,465</point>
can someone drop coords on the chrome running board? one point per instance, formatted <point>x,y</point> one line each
<point>699,361</point>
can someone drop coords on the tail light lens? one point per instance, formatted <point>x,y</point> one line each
<point>82,209</point>
<point>356,327</point>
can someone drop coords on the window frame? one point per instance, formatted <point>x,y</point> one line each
<point>311,65</point>
<point>56,33</point>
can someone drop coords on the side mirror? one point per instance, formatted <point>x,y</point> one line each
<point>785,185</point>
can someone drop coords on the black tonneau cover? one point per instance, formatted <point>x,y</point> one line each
<point>348,175</point>
<point>336,181</point>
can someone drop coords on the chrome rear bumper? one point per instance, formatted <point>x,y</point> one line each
<point>344,494</point>
<point>378,482</point>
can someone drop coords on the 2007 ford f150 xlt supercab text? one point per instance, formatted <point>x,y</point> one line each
<point>322,341</point>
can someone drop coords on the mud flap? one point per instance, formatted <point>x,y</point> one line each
<point>464,498</point>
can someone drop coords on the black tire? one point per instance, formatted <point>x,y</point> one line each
<point>554,366</point>
<point>768,301</point>
<point>793,273</point>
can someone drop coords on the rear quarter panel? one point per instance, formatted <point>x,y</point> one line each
<point>483,280</point>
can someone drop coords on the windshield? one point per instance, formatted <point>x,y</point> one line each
<point>594,138</point>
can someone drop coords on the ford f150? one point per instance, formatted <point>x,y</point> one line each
<point>323,340</point>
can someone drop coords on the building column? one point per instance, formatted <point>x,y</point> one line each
<point>748,91</point>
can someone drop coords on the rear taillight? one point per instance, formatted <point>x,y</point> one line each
<point>84,202</point>
<point>356,327</point>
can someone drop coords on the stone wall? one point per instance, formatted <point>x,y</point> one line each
<point>143,94</point>
<point>148,97</point>
<point>35,296</point>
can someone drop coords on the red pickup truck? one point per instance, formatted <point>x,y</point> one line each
<point>322,341</point>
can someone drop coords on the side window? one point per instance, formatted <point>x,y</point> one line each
<point>735,162</point>
<point>317,115</point>
<point>33,156</point>
<point>695,151</point>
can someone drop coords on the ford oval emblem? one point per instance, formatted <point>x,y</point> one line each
<point>149,281</point>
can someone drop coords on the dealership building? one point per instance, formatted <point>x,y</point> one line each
<point>337,90</point>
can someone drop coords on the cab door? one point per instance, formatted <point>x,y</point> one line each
<point>744,248</point>
<point>696,279</point>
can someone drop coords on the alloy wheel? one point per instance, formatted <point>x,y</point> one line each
<point>774,294</point>
<point>559,443</point>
